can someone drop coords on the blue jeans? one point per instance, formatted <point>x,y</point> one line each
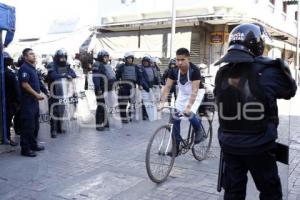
<point>194,120</point>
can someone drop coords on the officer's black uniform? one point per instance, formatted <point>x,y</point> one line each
<point>13,95</point>
<point>103,78</point>
<point>247,139</point>
<point>130,74</point>
<point>29,112</point>
<point>17,120</point>
<point>165,77</point>
<point>56,71</point>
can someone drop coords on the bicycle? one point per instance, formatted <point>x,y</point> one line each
<point>158,171</point>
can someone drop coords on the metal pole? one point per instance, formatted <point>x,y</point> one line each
<point>297,43</point>
<point>173,29</point>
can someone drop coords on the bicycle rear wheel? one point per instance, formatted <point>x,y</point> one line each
<point>158,163</point>
<point>200,151</point>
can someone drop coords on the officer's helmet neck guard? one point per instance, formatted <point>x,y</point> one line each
<point>249,38</point>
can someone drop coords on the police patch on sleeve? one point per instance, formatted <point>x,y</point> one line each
<point>24,75</point>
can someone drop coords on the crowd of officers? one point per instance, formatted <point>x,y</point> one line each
<point>24,84</point>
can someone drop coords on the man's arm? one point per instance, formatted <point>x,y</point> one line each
<point>166,90</point>
<point>16,88</point>
<point>195,88</point>
<point>28,89</point>
<point>72,73</point>
<point>43,88</point>
<point>54,75</point>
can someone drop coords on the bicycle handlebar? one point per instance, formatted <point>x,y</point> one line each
<point>180,114</point>
<point>169,107</point>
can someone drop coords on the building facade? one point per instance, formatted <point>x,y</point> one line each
<point>202,26</point>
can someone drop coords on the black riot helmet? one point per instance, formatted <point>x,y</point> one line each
<point>249,38</point>
<point>172,62</point>
<point>20,61</point>
<point>101,55</point>
<point>146,58</point>
<point>246,41</point>
<point>8,60</point>
<point>61,53</point>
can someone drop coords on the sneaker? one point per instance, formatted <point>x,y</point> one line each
<point>199,136</point>
<point>170,153</point>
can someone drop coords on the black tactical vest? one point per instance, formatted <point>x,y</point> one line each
<point>242,105</point>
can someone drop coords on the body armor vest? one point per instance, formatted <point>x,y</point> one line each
<point>242,108</point>
<point>129,73</point>
<point>150,73</point>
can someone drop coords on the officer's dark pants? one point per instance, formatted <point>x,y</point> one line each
<point>17,123</point>
<point>263,169</point>
<point>101,113</point>
<point>10,112</point>
<point>29,130</point>
<point>124,99</point>
<point>56,118</point>
<point>194,120</point>
<point>145,114</point>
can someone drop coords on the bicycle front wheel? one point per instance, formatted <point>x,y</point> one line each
<point>201,150</point>
<point>160,155</point>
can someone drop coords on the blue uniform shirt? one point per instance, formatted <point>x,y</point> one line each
<point>29,104</point>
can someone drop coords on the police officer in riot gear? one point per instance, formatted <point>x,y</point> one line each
<point>149,77</point>
<point>172,64</point>
<point>29,109</point>
<point>103,78</point>
<point>250,83</point>
<point>128,75</point>
<point>154,64</point>
<point>57,70</point>
<point>12,94</point>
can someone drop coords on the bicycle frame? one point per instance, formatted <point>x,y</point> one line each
<point>188,142</point>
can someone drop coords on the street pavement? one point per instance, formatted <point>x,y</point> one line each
<point>86,164</point>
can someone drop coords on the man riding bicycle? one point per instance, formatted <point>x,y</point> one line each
<point>189,97</point>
